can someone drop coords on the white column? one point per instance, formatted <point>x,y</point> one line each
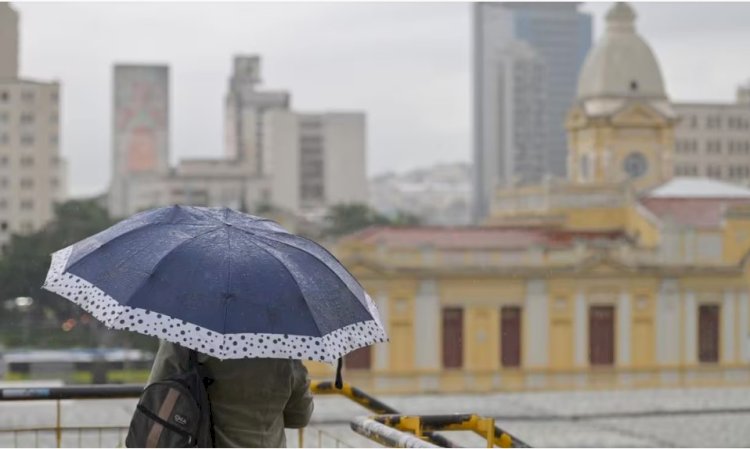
<point>624,324</point>
<point>537,324</point>
<point>580,324</point>
<point>691,324</point>
<point>426,326</point>
<point>742,299</point>
<point>667,324</point>
<point>382,355</point>
<point>727,326</point>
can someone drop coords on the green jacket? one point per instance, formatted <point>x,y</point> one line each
<point>252,400</point>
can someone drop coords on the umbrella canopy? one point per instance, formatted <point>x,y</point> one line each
<point>221,282</point>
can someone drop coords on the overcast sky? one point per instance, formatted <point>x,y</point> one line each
<point>407,65</point>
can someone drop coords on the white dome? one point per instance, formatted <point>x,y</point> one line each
<point>621,64</point>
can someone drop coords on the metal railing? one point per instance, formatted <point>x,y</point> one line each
<point>34,436</point>
<point>385,435</point>
<point>386,427</point>
<point>104,436</point>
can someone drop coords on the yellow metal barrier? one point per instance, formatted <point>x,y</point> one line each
<point>482,426</point>
<point>372,404</point>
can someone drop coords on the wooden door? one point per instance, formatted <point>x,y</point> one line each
<point>601,335</point>
<point>510,336</point>
<point>453,337</point>
<point>708,334</point>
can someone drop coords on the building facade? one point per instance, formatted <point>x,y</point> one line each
<point>713,140</point>
<point>526,59</point>
<point>316,160</point>
<point>621,291</point>
<point>32,171</point>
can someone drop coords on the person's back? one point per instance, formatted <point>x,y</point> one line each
<point>252,400</point>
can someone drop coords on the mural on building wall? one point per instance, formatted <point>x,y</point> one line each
<point>142,150</point>
<point>141,116</point>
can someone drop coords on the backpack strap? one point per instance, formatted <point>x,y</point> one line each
<point>202,371</point>
<point>193,363</point>
<point>192,358</point>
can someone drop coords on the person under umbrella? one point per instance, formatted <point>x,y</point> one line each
<point>252,299</point>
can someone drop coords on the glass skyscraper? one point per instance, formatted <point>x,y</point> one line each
<point>526,62</point>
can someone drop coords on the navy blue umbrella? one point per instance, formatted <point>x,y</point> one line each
<point>221,282</point>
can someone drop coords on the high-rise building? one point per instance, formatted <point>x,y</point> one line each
<point>32,172</point>
<point>8,41</point>
<point>140,133</point>
<point>317,160</point>
<point>526,62</point>
<point>713,139</point>
<point>244,108</point>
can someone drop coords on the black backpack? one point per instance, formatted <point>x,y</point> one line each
<point>174,412</point>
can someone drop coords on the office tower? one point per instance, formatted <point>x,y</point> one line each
<point>317,160</point>
<point>526,59</point>
<point>245,105</point>
<point>140,134</point>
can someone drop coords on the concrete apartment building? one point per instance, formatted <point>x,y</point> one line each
<point>245,107</point>
<point>317,160</point>
<point>32,172</point>
<point>713,139</point>
<point>526,62</point>
<point>298,163</point>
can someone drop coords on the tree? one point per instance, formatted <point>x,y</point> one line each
<point>344,219</point>
<point>406,219</point>
<point>23,268</point>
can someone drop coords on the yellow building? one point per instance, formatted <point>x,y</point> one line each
<point>626,291</point>
<point>618,277</point>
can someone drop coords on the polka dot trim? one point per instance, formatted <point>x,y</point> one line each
<point>328,348</point>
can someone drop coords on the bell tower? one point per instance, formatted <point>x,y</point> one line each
<point>621,127</point>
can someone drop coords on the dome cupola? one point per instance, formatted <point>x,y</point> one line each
<point>622,64</point>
